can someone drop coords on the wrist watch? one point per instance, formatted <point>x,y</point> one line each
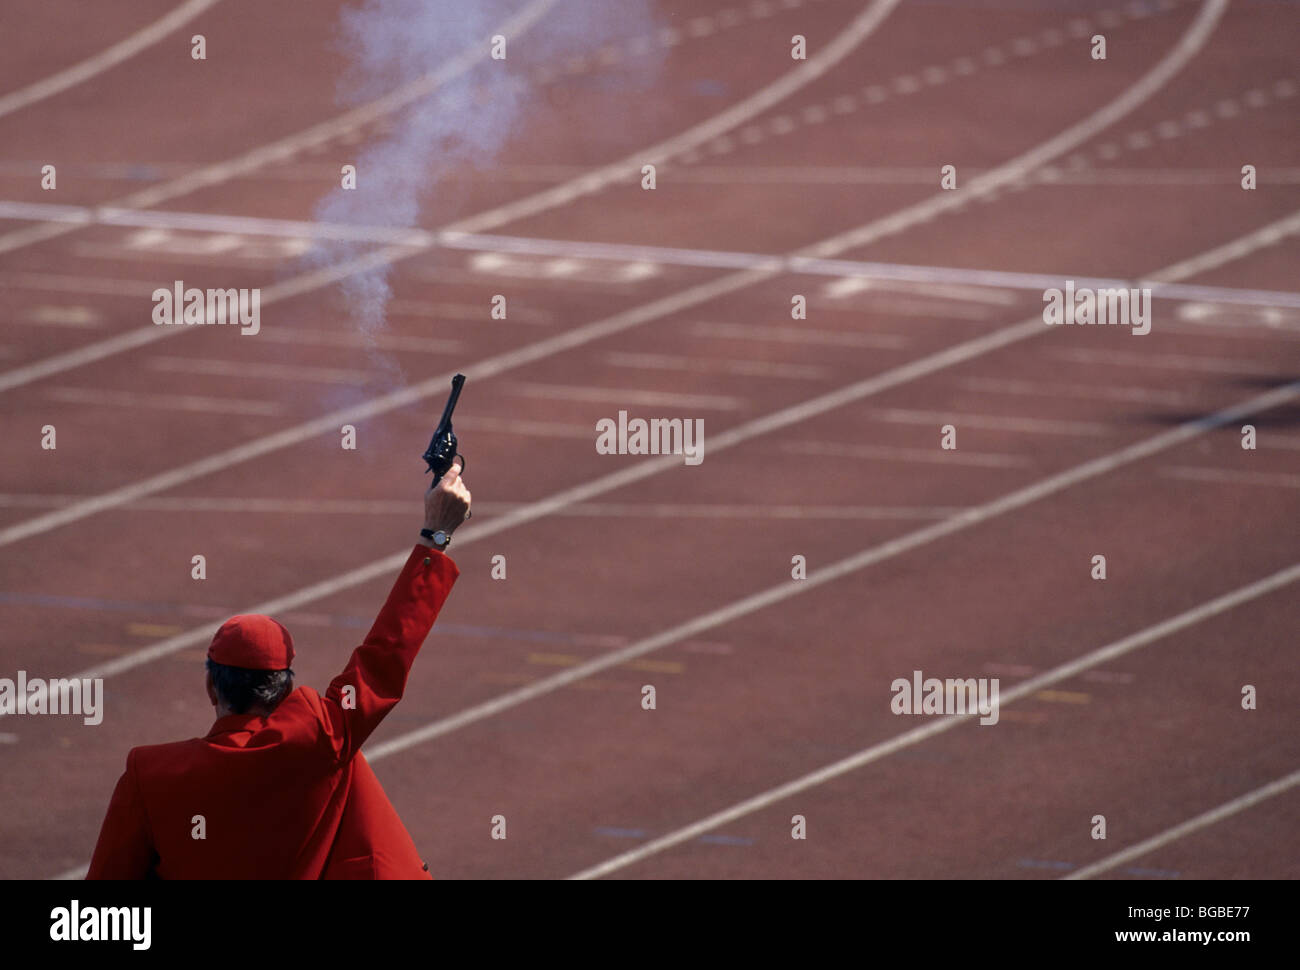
<point>441,540</point>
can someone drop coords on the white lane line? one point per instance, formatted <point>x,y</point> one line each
<point>287,147</point>
<point>807,71</point>
<point>1003,385</point>
<point>1205,819</point>
<point>517,426</point>
<point>1248,329</point>
<point>933,456</point>
<point>256,369</point>
<point>464,311</point>
<point>105,59</point>
<point>78,284</point>
<point>994,422</point>
<point>1195,119</point>
<point>1274,441</point>
<point>1276,479</point>
<point>47,315</point>
<point>1275,319</point>
<point>936,279</point>
<point>156,402</point>
<point>622,395</point>
<point>228,253</point>
<point>297,229</point>
<point>143,335</point>
<point>928,309</point>
<point>956,291</point>
<point>1186,362</point>
<point>749,368</point>
<point>938,726</point>
<point>796,335</point>
<point>1192,266</point>
<point>884,304</point>
<point>305,336</point>
<point>1191,41</point>
<point>402,507</point>
<point>625,510</point>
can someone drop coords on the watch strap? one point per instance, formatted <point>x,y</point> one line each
<point>430,534</point>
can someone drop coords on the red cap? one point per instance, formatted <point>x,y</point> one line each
<point>254,642</point>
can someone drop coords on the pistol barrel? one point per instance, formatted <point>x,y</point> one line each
<point>457,383</point>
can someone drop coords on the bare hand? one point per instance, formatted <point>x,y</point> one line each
<point>446,505</point>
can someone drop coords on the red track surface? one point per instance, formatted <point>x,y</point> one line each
<point>581,772</point>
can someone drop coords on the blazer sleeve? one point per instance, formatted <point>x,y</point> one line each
<point>375,677</point>
<point>125,848</point>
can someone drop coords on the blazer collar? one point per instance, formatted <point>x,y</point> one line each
<point>232,723</point>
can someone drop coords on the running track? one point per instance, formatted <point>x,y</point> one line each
<point>822,435</point>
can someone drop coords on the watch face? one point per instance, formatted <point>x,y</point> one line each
<point>440,538</point>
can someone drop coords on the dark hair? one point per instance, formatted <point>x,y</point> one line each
<point>241,689</point>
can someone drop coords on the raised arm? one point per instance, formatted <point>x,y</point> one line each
<point>375,677</point>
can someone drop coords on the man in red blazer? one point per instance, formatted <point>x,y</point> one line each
<point>278,788</point>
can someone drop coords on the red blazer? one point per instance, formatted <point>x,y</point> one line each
<point>285,796</point>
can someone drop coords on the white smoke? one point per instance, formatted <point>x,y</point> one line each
<point>467,121</point>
